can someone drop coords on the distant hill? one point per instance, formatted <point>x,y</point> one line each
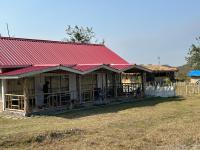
<point>183,71</point>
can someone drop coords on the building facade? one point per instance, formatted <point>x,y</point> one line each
<point>41,75</point>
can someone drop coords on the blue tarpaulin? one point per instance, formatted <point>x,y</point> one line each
<point>194,73</point>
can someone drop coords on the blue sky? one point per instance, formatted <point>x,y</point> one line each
<point>138,30</point>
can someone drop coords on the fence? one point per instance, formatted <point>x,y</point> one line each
<point>172,89</point>
<point>187,89</point>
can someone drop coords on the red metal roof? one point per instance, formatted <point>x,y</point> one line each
<point>85,67</point>
<point>79,69</point>
<point>25,70</point>
<point>18,51</point>
<point>38,69</point>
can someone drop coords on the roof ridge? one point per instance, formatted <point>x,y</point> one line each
<point>123,64</point>
<point>48,41</point>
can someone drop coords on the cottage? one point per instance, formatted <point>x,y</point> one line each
<point>194,76</point>
<point>160,73</point>
<point>40,75</point>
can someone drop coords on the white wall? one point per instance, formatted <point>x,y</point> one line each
<point>160,91</point>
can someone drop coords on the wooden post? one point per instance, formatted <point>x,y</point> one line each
<point>79,88</point>
<point>143,82</point>
<point>103,86</point>
<point>186,90</point>
<point>25,93</point>
<point>115,85</point>
<point>106,82</point>
<point>3,90</point>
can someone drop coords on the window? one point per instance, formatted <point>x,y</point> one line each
<point>88,85</point>
<point>110,79</point>
<point>89,82</point>
<point>15,86</point>
<point>58,83</point>
<point>64,83</point>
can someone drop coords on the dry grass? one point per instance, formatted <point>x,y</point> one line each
<point>160,123</point>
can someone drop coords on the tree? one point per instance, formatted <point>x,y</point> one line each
<point>81,35</point>
<point>193,58</point>
<point>183,71</point>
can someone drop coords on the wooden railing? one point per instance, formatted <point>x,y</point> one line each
<point>55,99</point>
<point>17,102</point>
<point>66,98</point>
<point>123,89</point>
<point>14,101</point>
<point>61,98</point>
<point>128,89</point>
<point>187,89</point>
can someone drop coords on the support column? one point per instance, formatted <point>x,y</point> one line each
<point>115,84</point>
<point>73,86</point>
<point>104,86</point>
<point>79,88</point>
<point>3,90</point>
<point>143,82</point>
<point>25,93</point>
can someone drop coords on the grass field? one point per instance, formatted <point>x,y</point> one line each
<point>159,123</point>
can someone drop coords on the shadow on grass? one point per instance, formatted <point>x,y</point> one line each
<point>112,108</point>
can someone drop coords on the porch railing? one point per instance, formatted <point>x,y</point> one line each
<point>61,98</point>
<point>14,101</point>
<point>56,99</point>
<point>67,98</point>
<point>17,102</point>
<point>120,90</point>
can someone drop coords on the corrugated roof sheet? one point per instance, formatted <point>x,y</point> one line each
<point>85,67</point>
<point>18,51</point>
<point>25,70</point>
<point>194,73</point>
<point>81,68</point>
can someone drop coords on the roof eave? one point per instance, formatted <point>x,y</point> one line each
<point>137,67</point>
<point>101,67</point>
<point>28,74</point>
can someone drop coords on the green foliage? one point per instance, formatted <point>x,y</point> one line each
<point>183,71</point>
<point>81,35</point>
<point>167,81</point>
<point>193,58</point>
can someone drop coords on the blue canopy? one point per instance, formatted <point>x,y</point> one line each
<point>194,73</point>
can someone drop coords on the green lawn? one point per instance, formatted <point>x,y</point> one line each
<point>159,123</point>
